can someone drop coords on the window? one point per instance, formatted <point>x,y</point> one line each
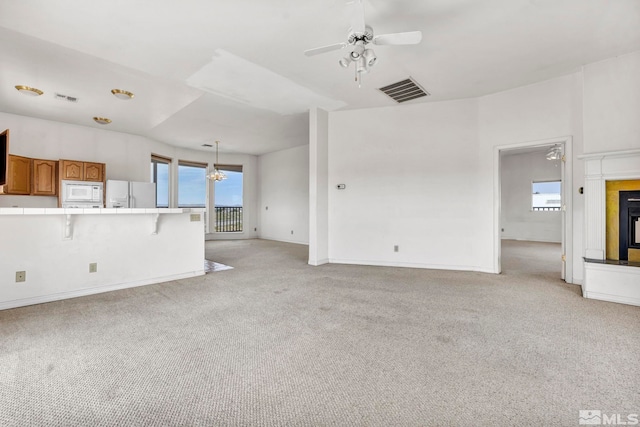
<point>546,196</point>
<point>160,167</point>
<point>192,185</point>
<point>228,199</point>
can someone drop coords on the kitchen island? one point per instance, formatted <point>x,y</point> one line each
<point>66,253</point>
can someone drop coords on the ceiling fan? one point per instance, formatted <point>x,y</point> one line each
<point>359,36</point>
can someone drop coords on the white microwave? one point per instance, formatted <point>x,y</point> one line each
<point>82,194</point>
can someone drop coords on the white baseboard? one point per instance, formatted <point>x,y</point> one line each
<point>319,262</point>
<point>92,291</point>
<point>613,298</point>
<point>410,265</point>
<point>610,282</point>
<point>532,239</point>
<point>275,239</point>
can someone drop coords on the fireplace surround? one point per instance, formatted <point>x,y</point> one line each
<point>629,218</point>
<point>610,271</point>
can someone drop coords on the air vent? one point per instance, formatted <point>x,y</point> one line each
<point>207,145</point>
<point>62,97</point>
<point>405,90</point>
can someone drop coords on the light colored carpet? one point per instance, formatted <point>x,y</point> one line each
<point>277,342</point>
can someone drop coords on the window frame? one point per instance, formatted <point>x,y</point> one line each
<point>155,160</point>
<point>542,208</point>
<point>189,163</point>
<point>229,168</point>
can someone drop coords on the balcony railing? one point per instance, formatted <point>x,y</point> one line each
<point>228,218</point>
<point>540,208</point>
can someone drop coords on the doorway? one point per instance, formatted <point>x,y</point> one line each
<point>532,204</point>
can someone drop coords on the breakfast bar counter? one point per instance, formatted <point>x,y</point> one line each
<point>56,253</point>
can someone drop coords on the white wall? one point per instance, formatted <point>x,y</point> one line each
<point>410,175</point>
<point>127,157</point>
<point>612,104</point>
<point>518,221</point>
<point>284,190</point>
<point>422,176</point>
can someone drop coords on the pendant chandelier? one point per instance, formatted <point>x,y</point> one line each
<point>216,174</point>
<point>554,153</point>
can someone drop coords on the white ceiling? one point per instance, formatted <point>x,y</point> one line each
<point>234,71</point>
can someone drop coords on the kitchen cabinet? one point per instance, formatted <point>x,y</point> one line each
<point>18,175</point>
<point>44,179</point>
<point>72,170</point>
<point>93,171</point>
<point>76,170</point>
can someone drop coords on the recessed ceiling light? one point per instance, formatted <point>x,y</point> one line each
<point>102,120</point>
<point>31,91</point>
<point>122,94</point>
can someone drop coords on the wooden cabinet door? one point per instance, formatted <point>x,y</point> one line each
<point>44,177</point>
<point>72,170</point>
<point>18,175</point>
<point>93,171</point>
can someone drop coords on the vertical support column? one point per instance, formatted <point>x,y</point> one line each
<point>595,210</point>
<point>318,186</point>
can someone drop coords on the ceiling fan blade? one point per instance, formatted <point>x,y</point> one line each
<point>357,18</point>
<point>411,37</point>
<point>323,49</point>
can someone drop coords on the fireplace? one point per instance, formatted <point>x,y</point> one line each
<point>612,226</point>
<point>629,225</point>
<point>622,206</point>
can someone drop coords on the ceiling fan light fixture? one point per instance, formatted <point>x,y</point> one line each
<point>361,66</point>
<point>554,153</point>
<point>344,62</point>
<point>359,36</point>
<point>357,51</point>
<point>125,95</point>
<point>27,90</point>
<point>370,57</point>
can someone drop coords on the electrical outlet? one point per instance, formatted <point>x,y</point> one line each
<point>195,217</point>
<point>93,267</point>
<point>395,248</point>
<point>21,276</point>
<point>291,231</point>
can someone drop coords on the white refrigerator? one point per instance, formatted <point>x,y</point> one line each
<point>130,194</point>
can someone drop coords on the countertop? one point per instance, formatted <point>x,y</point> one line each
<point>96,211</point>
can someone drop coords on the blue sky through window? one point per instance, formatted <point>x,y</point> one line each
<point>192,186</point>
<point>162,184</point>
<point>229,191</point>
<point>551,187</point>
